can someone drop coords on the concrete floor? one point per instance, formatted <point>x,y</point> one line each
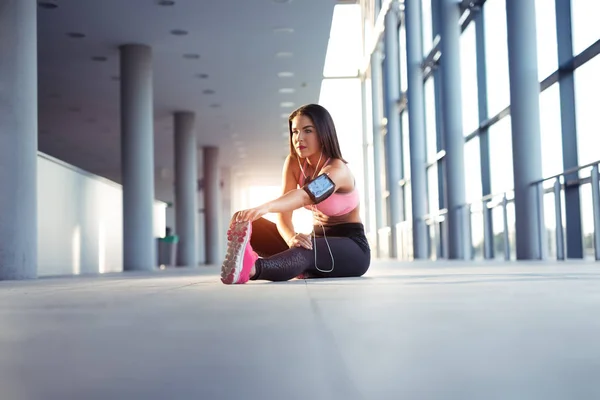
<point>421,331</point>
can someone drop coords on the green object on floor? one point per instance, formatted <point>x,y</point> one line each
<point>170,239</point>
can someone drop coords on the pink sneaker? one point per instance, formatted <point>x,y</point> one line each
<point>240,257</point>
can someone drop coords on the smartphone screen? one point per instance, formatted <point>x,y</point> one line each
<point>320,186</point>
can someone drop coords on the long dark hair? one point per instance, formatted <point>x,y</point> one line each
<point>324,126</point>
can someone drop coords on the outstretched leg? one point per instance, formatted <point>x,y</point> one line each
<point>266,239</point>
<point>349,260</point>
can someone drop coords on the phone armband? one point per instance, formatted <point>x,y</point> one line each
<point>320,188</point>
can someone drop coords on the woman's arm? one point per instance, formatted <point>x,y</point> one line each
<point>290,200</point>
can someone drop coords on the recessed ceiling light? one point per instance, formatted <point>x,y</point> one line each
<point>202,76</point>
<point>208,91</point>
<point>179,32</point>
<point>76,35</point>
<point>286,104</point>
<point>283,30</point>
<point>284,54</point>
<point>99,58</point>
<point>48,5</point>
<point>285,74</point>
<point>166,3</point>
<point>287,90</point>
<point>191,56</point>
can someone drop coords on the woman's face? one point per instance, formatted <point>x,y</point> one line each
<point>304,136</point>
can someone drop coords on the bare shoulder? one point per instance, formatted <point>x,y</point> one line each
<point>341,174</point>
<point>339,165</point>
<point>291,164</point>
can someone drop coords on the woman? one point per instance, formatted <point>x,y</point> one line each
<point>338,246</point>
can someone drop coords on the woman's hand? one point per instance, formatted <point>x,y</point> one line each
<point>252,214</point>
<point>300,240</point>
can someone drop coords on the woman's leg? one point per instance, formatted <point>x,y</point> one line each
<point>349,260</point>
<point>265,239</point>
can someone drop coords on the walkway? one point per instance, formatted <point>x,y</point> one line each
<point>420,331</point>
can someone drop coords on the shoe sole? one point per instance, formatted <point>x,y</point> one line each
<point>237,239</point>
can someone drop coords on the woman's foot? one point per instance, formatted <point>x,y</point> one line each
<point>238,266</point>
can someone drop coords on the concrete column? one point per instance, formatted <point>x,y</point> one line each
<point>376,94</point>
<point>137,157</point>
<point>18,139</point>
<point>416,119</point>
<point>458,238</point>
<point>525,119</point>
<point>186,184</point>
<point>569,129</point>
<point>226,203</point>
<point>212,205</point>
<point>393,137</point>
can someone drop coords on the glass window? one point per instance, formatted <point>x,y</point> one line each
<point>470,108</point>
<point>587,221</point>
<point>408,202</point>
<point>430,125</point>
<point>498,86</point>
<point>370,158</point>
<point>432,189</point>
<point>472,171</point>
<point>406,144</point>
<point>343,57</point>
<point>403,60</point>
<point>546,37</point>
<point>586,29</point>
<point>477,240</point>
<point>587,87</point>
<point>427,26</point>
<point>501,163</point>
<point>551,132</point>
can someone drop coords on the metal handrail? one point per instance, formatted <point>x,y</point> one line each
<point>567,172</point>
<point>557,188</point>
<point>487,204</point>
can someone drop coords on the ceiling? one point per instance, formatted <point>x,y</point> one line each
<point>242,48</point>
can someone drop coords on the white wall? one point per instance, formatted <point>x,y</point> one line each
<point>80,221</point>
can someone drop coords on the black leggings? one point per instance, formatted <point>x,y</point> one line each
<point>348,244</point>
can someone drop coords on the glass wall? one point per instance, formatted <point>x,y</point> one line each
<point>546,37</point>
<point>587,90</point>
<point>585,15</point>
<point>496,62</point>
<point>426,26</point>
<point>585,36</point>
<point>468,67</point>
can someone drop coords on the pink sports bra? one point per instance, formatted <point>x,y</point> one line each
<point>338,203</point>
